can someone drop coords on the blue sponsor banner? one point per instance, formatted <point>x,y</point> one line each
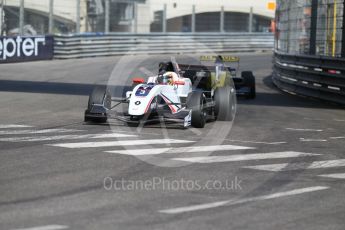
<point>26,48</point>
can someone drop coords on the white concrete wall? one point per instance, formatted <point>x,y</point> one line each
<point>184,7</point>
<point>144,18</point>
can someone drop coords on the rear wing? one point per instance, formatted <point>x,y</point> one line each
<point>202,68</point>
<point>219,58</point>
<point>186,67</point>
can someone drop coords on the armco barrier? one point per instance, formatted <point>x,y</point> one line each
<point>314,76</point>
<point>78,46</point>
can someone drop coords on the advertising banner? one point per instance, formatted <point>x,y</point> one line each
<point>26,48</point>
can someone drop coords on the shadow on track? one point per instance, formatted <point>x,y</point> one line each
<point>274,98</point>
<point>54,88</point>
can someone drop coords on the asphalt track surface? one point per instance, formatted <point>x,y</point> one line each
<point>280,167</point>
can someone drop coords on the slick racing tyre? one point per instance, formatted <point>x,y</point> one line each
<point>225,104</point>
<point>196,101</point>
<point>249,81</point>
<point>99,96</point>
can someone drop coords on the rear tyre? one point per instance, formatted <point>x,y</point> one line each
<point>249,81</point>
<point>196,101</point>
<point>99,96</point>
<point>225,104</point>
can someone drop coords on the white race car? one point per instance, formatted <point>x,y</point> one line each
<point>190,96</point>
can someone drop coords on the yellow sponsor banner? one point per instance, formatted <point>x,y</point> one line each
<point>230,59</point>
<point>223,58</point>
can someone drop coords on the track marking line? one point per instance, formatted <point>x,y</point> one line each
<point>335,175</point>
<point>260,142</point>
<point>314,119</point>
<point>317,119</point>
<point>312,140</point>
<point>39,131</point>
<point>244,157</point>
<point>118,143</point>
<point>142,152</point>
<point>299,166</point>
<point>335,138</point>
<point>47,227</point>
<point>205,206</point>
<point>14,126</point>
<point>64,137</point>
<point>305,130</point>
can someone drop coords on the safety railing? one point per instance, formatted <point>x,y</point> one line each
<point>93,45</point>
<point>313,76</point>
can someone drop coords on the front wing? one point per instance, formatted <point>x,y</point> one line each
<point>182,117</point>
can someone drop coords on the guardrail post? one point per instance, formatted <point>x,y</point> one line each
<point>193,19</point>
<point>51,16</point>
<point>222,19</point>
<point>135,25</point>
<point>313,27</point>
<point>1,17</point>
<point>250,21</point>
<point>77,26</point>
<point>21,17</point>
<point>164,18</point>
<point>343,34</point>
<point>106,21</point>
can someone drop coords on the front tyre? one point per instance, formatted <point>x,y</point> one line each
<point>196,101</point>
<point>225,104</point>
<point>99,101</point>
<point>249,81</point>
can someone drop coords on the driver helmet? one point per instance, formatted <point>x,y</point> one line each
<point>163,68</point>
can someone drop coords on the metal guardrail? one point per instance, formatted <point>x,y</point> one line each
<point>80,46</point>
<point>313,76</point>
